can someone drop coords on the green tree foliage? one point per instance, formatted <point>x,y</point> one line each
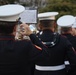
<point>61,6</point>
<point>3,2</point>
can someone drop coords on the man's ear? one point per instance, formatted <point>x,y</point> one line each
<point>71,28</point>
<point>55,25</point>
<point>15,29</point>
<point>39,26</point>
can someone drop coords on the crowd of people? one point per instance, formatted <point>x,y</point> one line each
<point>44,53</point>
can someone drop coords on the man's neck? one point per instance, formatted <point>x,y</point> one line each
<point>52,29</point>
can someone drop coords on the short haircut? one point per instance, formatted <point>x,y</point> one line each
<point>47,23</point>
<point>65,29</point>
<point>7,27</point>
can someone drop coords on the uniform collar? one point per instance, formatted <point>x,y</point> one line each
<point>7,37</point>
<point>47,30</point>
<point>66,34</point>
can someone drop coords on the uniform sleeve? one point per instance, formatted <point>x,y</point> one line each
<point>35,40</point>
<point>37,49</point>
<point>36,53</point>
<point>71,53</point>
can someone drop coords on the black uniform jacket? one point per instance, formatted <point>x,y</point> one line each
<point>57,54</point>
<point>15,56</point>
<point>71,38</point>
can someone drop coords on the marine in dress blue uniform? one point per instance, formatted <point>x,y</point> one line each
<point>66,22</point>
<point>15,55</point>
<point>58,47</point>
<point>66,28</point>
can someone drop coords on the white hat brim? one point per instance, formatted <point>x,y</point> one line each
<point>47,15</point>
<point>10,10</point>
<point>66,21</point>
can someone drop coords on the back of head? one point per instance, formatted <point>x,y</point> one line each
<point>9,15</point>
<point>47,19</point>
<point>66,22</point>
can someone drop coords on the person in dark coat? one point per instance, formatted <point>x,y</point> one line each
<point>58,47</point>
<point>66,30</point>
<point>16,56</point>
